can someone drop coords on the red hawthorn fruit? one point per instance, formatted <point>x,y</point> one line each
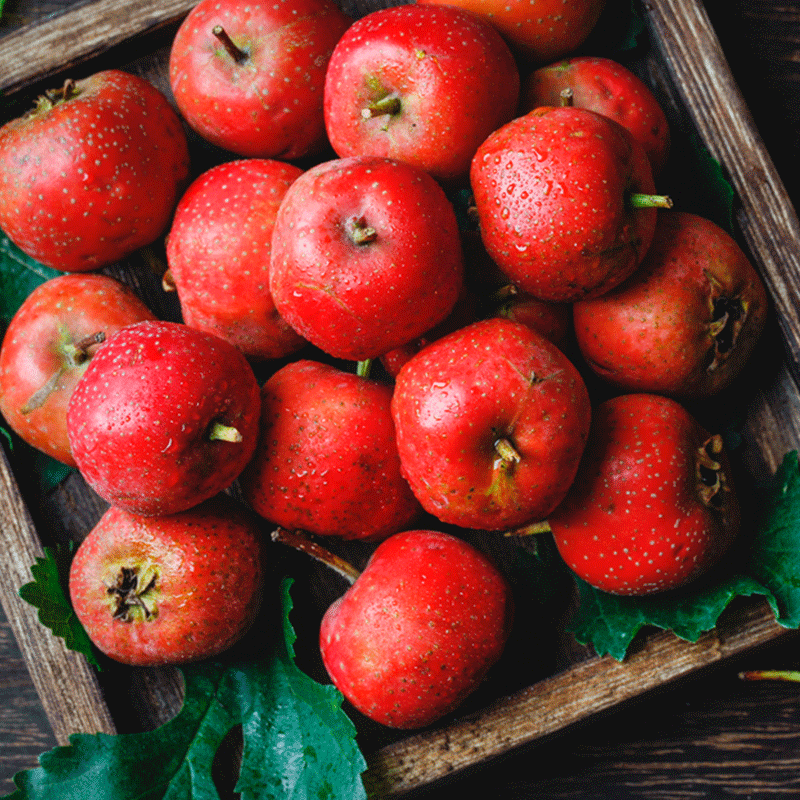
<point>326,461</point>
<point>418,630</point>
<point>424,85</point>
<point>93,173</point>
<point>554,194</point>
<point>164,417</point>
<point>539,30</point>
<point>610,89</point>
<point>491,423</point>
<point>686,322</point>
<point>218,253</point>
<point>48,346</point>
<point>250,77</point>
<point>653,506</point>
<point>366,256</point>
<point>169,589</point>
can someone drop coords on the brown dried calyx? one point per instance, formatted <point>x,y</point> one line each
<point>133,594</point>
<point>711,480</point>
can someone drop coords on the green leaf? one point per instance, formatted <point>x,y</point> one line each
<point>298,743</point>
<point>610,622</point>
<point>775,556</point>
<point>47,593</point>
<point>19,276</point>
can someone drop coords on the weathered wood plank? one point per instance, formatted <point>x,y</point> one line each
<point>65,682</point>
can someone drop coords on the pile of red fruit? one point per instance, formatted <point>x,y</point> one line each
<point>475,417</point>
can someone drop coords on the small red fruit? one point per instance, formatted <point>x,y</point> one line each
<point>164,417</point>
<point>422,84</point>
<point>686,322</point>
<point>218,252</point>
<point>47,348</point>
<point>418,630</point>
<point>610,89</point>
<point>491,423</point>
<point>327,461</point>
<point>653,506</point>
<point>539,30</point>
<point>249,77</point>
<point>366,256</point>
<point>93,173</point>
<point>554,193</point>
<point>167,590</point>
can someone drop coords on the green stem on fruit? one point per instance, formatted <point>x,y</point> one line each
<point>363,368</point>
<point>389,105</point>
<point>219,432</point>
<point>300,540</point>
<point>771,675</point>
<point>531,529</point>
<point>567,97</point>
<point>506,451</point>
<point>74,356</point>
<point>360,232</point>
<point>236,53</point>
<point>638,200</point>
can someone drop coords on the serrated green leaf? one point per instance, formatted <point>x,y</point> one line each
<point>47,594</point>
<point>298,743</point>
<point>290,712</point>
<point>610,623</point>
<point>775,559</point>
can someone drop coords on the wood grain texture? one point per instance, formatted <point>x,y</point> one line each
<point>66,684</point>
<point>84,30</point>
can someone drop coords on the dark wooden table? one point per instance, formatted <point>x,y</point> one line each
<point>711,736</point>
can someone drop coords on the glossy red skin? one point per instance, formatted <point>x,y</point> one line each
<point>418,630</point>
<point>138,420</point>
<point>270,105</point>
<point>209,569</point>
<point>95,177</point>
<point>653,333</point>
<point>539,30</point>
<point>455,398</point>
<point>610,89</point>
<point>551,192</point>
<point>551,320</point>
<point>218,252</point>
<point>327,461</point>
<point>453,74</point>
<point>358,301</point>
<point>633,523</point>
<point>58,314</point>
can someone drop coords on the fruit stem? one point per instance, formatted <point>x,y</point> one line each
<point>219,432</point>
<point>506,451</point>
<point>299,540</point>
<point>390,105</point>
<point>771,675</point>
<point>531,529</point>
<point>363,368</point>
<point>236,53</point>
<point>638,200</point>
<point>75,355</point>
<point>168,282</point>
<point>360,232</point>
<point>567,97</point>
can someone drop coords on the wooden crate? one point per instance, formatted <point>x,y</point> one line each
<point>687,69</point>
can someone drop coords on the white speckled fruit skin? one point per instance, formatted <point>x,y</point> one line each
<point>138,421</point>
<point>95,177</point>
